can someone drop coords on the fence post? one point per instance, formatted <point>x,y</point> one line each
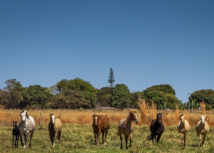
<point>40,119</point>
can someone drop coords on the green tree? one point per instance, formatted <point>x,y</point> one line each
<point>103,96</point>
<point>71,99</point>
<point>207,96</point>
<point>134,99</point>
<point>11,96</point>
<point>35,96</point>
<point>120,97</point>
<point>111,78</point>
<point>162,95</point>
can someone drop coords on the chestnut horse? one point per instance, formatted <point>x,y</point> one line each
<point>156,128</point>
<point>125,127</point>
<point>100,124</point>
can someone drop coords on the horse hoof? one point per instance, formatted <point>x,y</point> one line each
<point>104,143</point>
<point>24,147</point>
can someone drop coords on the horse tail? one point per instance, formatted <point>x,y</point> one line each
<point>149,137</point>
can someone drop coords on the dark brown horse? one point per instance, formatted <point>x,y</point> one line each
<point>156,128</point>
<point>15,134</point>
<point>100,124</point>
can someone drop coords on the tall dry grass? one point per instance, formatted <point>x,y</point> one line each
<point>172,117</point>
<point>147,113</point>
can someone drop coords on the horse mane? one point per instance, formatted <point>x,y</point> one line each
<point>26,113</point>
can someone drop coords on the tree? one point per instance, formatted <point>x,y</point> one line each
<point>120,97</point>
<point>162,95</point>
<point>35,96</point>
<point>103,96</point>
<point>11,96</point>
<point>71,99</point>
<point>111,78</point>
<point>134,100</point>
<point>207,96</point>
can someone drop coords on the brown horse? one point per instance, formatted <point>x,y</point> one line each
<point>54,128</point>
<point>125,127</point>
<point>100,124</point>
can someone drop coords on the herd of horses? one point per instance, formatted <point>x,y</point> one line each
<point>101,125</point>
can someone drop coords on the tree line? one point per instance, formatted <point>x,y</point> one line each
<point>77,93</point>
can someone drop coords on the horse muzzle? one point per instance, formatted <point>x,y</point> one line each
<point>136,122</point>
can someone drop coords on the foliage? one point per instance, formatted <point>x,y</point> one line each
<point>103,96</point>
<point>72,99</point>
<point>11,95</point>
<point>207,96</point>
<point>35,96</point>
<point>111,78</point>
<point>120,97</point>
<point>84,94</point>
<point>165,88</point>
<point>162,95</point>
<point>134,97</point>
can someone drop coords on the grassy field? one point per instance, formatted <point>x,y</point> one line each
<point>79,138</point>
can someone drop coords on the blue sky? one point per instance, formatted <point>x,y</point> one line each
<point>145,42</point>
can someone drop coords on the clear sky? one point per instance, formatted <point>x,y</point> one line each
<point>145,42</point>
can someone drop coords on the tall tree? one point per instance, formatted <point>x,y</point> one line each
<point>111,78</point>
<point>120,97</point>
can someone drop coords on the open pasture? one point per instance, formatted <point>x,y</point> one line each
<point>80,138</point>
<point>77,133</point>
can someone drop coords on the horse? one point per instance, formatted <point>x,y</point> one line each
<point>15,134</point>
<point>100,124</point>
<point>26,126</point>
<point>202,128</point>
<point>125,127</point>
<point>156,128</point>
<point>183,127</point>
<point>54,128</point>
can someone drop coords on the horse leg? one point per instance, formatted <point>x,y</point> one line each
<point>184,138</point>
<point>130,140</point>
<point>13,140</point>
<point>54,138</point>
<point>105,136</point>
<point>158,138</point>
<point>95,136</point>
<point>203,139</point>
<point>153,136</point>
<point>200,139</point>
<point>98,136</point>
<point>126,138</point>
<point>121,144</point>
<point>31,135</point>
<point>17,140</point>
<point>59,134</point>
<point>181,138</point>
<point>20,134</point>
<point>25,136</point>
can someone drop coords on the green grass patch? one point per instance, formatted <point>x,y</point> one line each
<point>80,138</point>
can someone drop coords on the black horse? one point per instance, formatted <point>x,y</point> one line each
<point>15,133</point>
<point>156,128</point>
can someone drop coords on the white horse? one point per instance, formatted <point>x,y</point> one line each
<point>26,126</point>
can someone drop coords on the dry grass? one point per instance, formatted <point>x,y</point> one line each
<point>147,113</point>
<point>172,117</point>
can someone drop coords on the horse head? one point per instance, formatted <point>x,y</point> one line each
<point>95,119</point>
<point>203,118</point>
<point>23,115</point>
<point>159,117</point>
<point>134,116</point>
<point>182,118</point>
<point>52,118</point>
<point>14,125</point>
